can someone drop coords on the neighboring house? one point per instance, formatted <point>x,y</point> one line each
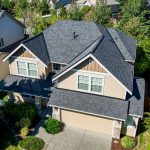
<point>11,31</point>
<point>94,84</point>
<point>113,4</point>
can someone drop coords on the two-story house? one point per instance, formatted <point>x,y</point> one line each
<point>94,84</point>
<point>11,31</point>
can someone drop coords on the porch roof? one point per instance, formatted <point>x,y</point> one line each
<point>28,86</point>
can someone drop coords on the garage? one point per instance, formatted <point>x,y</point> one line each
<point>88,122</point>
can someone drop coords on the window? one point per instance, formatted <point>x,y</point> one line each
<point>96,84</point>
<point>90,83</point>
<point>22,68</point>
<point>56,67</point>
<point>27,69</point>
<point>1,42</point>
<point>83,82</point>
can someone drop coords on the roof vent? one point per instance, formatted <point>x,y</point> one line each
<point>75,35</point>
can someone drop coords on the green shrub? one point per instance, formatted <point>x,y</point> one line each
<point>11,147</point>
<point>16,112</point>
<point>32,143</point>
<point>24,131</point>
<point>5,99</point>
<point>53,126</point>
<point>127,142</point>
<point>85,10</point>
<point>25,122</point>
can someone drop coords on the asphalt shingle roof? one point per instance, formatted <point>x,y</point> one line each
<point>38,46</point>
<point>89,103</point>
<point>24,85</point>
<point>59,38</point>
<point>136,101</point>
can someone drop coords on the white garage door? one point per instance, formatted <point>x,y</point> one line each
<point>88,122</point>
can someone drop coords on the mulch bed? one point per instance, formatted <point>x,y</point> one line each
<point>116,145</point>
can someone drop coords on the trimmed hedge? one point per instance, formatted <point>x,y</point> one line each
<point>53,126</point>
<point>128,142</point>
<point>16,112</point>
<point>32,143</point>
<point>11,147</point>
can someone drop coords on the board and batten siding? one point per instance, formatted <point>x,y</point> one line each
<point>4,67</point>
<point>23,53</point>
<point>10,30</point>
<point>111,87</point>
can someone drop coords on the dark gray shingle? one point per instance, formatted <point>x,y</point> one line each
<point>38,46</point>
<point>89,103</point>
<point>136,101</point>
<point>24,85</point>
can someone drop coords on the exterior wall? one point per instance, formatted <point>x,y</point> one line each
<point>10,30</point>
<point>131,130</point>
<point>13,64</point>
<point>111,86</point>
<point>48,69</point>
<point>4,67</point>
<point>23,53</point>
<point>88,122</point>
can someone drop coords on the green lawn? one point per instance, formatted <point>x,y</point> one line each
<point>144,143</point>
<point>6,137</point>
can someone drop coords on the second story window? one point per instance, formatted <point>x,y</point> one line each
<point>1,42</point>
<point>90,83</point>
<point>56,67</point>
<point>27,69</point>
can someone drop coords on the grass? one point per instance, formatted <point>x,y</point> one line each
<point>6,137</point>
<point>144,140</point>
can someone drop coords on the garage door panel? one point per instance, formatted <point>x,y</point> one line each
<point>88,122</point>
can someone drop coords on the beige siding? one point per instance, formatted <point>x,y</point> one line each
<point>88,122</point>
<point>23,53</point>
<point>4,67</point>
<point>90,65</point>
<point>41,68</point>
<point>48,69</point>
<point>111,87</point>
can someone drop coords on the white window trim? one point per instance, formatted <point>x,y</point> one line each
<point>90,75</point>
<point>27,61</point>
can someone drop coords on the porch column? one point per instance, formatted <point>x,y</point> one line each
<point>38,103</point>
<point>56,113</point>
<point>116,129</point>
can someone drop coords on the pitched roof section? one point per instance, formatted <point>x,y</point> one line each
<point>108,54</point>
<point>29,86</point>
<point>38,46</point>
<point>136,101</point>
<point>89,103</point>
<point>124,44</point>
<point>67,39</point>
<point>2,12</point>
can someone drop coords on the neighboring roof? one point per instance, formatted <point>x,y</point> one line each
<point>112,2</point>
<point>37,45</point>
<point>24,85</point>
<point>89,103</point>
<point>126,44</point>
<point>3,12</point>
<point>59,38</point>
<point>10,48</point>
<point>136,106</point>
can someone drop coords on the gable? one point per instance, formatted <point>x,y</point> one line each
<point>90,65</point>
<point>23,53</point>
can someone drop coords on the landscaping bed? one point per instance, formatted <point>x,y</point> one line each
<point>7,137</point>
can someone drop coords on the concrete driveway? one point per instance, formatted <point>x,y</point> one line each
<point>75,139</point>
